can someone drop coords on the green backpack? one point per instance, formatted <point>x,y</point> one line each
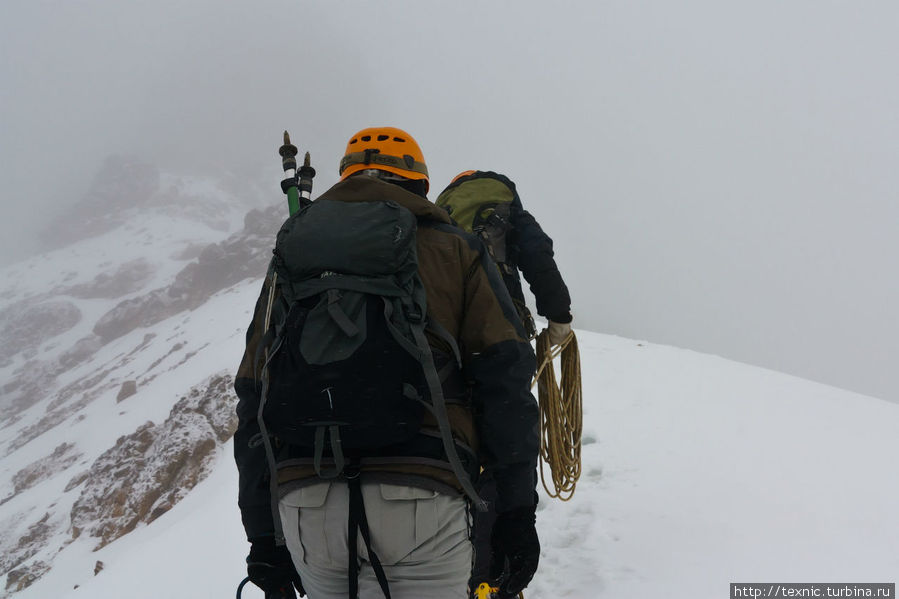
<point>481,204</point>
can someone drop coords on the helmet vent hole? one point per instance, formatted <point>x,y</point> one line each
<point>383,137</point>
<point>399,139</point>
<point>366,138</point>
<point>354,140</point>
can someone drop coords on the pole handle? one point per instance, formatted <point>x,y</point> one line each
<point>288,153</point>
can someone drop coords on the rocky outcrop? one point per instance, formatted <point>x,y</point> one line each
<point>13,558</point>
<point>30,382</point>
<point>49,378</point>
<point>127,278</point>
<point>76,481</point>
<point>219,266</point>
<point>81,351</point>
<point>127,389</point>
<point>150,470</point>
<point>39,470</point>
<point>68,401</point>
<point>134,313</point>
<point>27,324</point>
<point>22,578</point>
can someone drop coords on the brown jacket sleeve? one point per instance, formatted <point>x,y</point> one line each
<point>498,364</point>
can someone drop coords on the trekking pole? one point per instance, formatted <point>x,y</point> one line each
<point>299,193</point>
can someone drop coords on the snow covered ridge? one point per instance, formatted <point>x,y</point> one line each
<point>40,321</point>
<point>697,472</point>
<point>126,188</point>
<point>115,393</point>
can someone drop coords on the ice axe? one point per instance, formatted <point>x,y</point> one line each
<point>298,189</point>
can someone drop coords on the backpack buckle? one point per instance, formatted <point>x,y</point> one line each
<point>414,314</point>
<point>352,470</point>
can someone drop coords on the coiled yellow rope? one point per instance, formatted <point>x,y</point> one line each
<point>561,414</point>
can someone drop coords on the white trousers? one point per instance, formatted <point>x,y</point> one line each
<point>420,536</point>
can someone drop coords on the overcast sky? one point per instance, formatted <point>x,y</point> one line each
<point>720,176</point>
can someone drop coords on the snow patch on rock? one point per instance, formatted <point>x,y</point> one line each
<point>150,470</point>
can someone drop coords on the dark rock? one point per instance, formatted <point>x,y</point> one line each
<point>128,278</point>
<point>25,547</point>
<point>219,265</point>
<point>133,313</point>
<point>21,578</point>
<point>25,325</point>
<point>76,480</point>
<point>39,470</point>
<point>189,253</point>
<point>82,350</point>
<point>128,389</point>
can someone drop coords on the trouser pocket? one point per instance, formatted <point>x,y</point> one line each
<point>410,523</point>
<point>307,525</point>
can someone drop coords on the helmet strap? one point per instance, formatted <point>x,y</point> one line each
<point>374,156</point>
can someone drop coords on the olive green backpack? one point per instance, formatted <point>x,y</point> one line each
<point>481,203</point>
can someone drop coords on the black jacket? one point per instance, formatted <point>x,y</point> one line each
<point>530,250</point>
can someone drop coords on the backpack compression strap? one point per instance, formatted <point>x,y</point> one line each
<point>336,449</point>
<point>437,406</point>
<point>266,441</point>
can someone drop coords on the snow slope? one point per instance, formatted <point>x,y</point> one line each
<point>101,338</point>
<point>698,472</point>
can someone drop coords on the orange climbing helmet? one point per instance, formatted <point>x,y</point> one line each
<point>462,174</point>
<point>385,149</point>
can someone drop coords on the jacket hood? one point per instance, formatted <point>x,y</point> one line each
<point>362,188</point>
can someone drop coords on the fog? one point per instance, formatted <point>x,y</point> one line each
<point>716,176</point>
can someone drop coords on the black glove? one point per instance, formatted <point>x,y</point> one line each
<point>270,568</point>
<point>515,550</point>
